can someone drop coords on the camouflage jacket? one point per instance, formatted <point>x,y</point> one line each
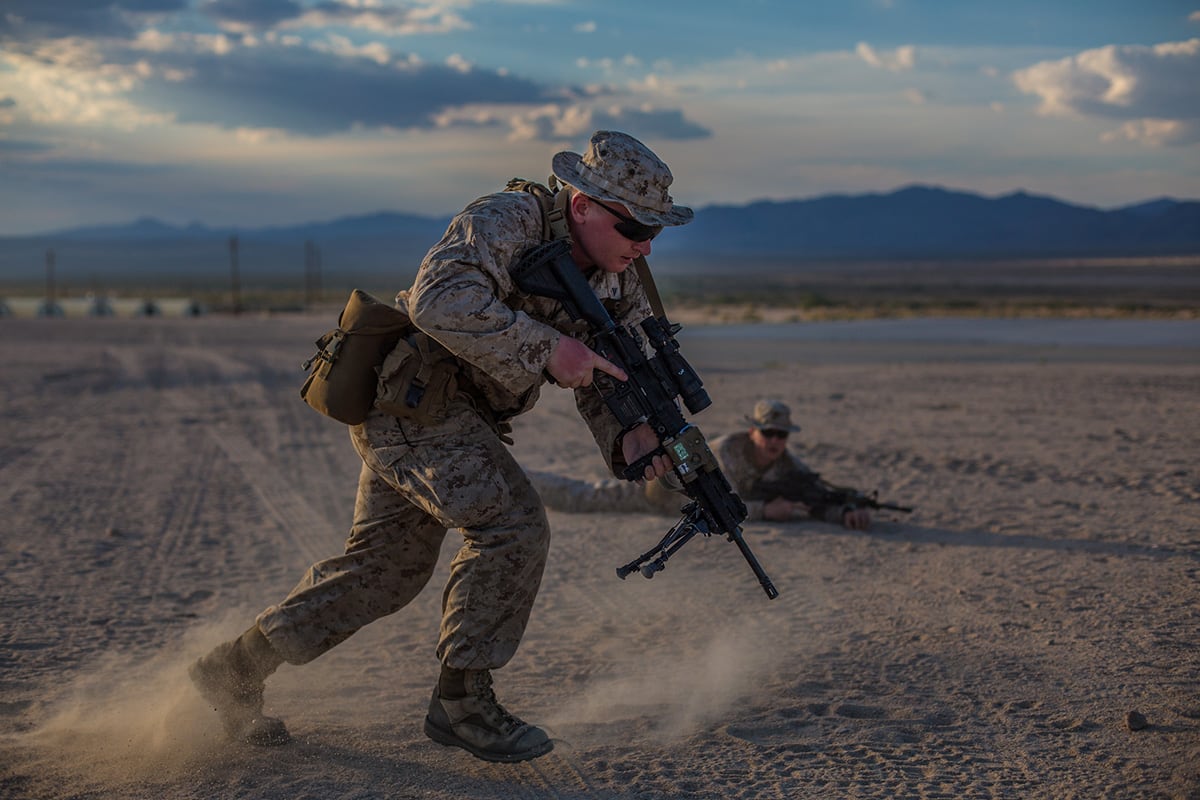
<point>464,297</point>
<point>735,453</point>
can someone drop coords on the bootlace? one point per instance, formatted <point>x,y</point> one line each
<point>483,690</point>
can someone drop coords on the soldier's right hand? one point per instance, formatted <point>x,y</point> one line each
<point>780,509</point>
<point>573,362</point>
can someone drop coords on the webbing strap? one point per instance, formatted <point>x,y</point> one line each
<point>643,273</point>
<point>556,216</point>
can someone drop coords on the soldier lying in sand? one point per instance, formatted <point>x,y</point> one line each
<point>757,463</point>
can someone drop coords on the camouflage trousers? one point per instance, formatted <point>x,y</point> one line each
<point>609,495</point>
<point>417,481</point>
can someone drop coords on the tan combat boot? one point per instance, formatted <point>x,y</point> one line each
<point>466,714</point>
<point>231,678</point>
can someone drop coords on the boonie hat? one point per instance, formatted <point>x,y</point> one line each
<point>619,168</point>
<point>772,415</point>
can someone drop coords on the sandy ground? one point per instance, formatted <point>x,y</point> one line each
<point>161,482</point>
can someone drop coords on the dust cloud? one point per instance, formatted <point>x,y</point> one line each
<point>129,717</point>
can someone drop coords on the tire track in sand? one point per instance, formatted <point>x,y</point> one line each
<point>220,390</point>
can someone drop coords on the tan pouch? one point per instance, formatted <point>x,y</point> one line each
<point>417,380</point>
<point>343,381</point>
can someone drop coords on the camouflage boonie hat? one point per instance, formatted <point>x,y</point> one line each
<point>619,168</point>
<point>772,415</point>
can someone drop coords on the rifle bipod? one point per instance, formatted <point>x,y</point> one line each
<point>683,531</point>
<point>693,522</point>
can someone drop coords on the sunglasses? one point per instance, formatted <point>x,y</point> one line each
<point>770,433</point>
<point>629,227</point>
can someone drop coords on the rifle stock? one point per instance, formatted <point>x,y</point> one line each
<point>649,396</point>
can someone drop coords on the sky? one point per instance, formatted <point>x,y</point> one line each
<point>272,112</point>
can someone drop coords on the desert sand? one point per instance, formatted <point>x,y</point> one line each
<point>162,482</point>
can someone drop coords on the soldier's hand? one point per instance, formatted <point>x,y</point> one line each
<point>780,509</point>
<point>637,443</point>
<point>858,519</point>
<point>573,362</point>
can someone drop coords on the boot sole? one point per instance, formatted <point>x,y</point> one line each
<point>272,733</point>
<point>450,739</point>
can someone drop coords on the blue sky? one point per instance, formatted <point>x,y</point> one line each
<point>264,112</point>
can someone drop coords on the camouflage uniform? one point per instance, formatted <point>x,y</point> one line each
<point>608,495</point>
<point>418,480</point>
<point>735,452</point>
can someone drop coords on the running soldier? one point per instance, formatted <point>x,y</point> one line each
<point>419,480</point>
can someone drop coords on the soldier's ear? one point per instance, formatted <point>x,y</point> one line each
<point>579,205</point>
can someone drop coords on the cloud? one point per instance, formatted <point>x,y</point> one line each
<point>25,20</point>
<point>899,60</point>
<point>1153,88</point>
<point>374,17</point>
<point>240,82</point>
<point>310,92</point>
<point>23,147</point>
<point>555,124</point>
<point>239,15</point>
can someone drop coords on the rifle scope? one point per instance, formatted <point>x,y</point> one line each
<point>684,378</point>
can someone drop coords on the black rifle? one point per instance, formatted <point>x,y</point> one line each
<point>815,492</point>
<point>649,396</point>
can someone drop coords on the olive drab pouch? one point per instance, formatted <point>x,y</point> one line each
<point>417,379</point>
<point>345,367</point>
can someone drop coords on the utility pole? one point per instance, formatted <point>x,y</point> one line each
<point>51,288</point>
<point>312,272</point>
<point>236,284</point>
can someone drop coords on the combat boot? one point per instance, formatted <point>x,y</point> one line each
<point>464,713</point>
<point>232,678</point>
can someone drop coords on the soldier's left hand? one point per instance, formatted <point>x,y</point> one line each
<point>858,519</point>
<point>637,443</point>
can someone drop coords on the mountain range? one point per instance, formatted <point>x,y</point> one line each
<point>914,222</point>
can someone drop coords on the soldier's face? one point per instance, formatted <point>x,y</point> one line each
<point>597,239</point>
<point>769,447</point>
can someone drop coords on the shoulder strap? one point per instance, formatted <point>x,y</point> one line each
<point>643,273</point>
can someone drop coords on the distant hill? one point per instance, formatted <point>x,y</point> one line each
<point>915,222</point>
<point>927,222</point>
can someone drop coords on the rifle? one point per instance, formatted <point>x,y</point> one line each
<point>816,492</point>
<point>649,396</point>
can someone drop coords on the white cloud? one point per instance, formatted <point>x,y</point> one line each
<point>381,20</point>
<point>1194,16</point>
<point>456,62</point>
<point>1153,88</point>
<point>586,27</point>
<point>343,47</point>
<point>1155,132</point>
<point>68,82</point>
<point>899,60</point>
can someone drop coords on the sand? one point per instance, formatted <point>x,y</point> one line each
<point>162,482</point>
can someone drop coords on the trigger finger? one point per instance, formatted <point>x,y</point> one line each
<point>604,365</point>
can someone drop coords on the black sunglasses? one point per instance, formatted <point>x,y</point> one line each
<point>771,433</point>
<point>629,227</point>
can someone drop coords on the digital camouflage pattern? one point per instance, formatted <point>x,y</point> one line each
<point>619,168</point>
<point>418,480</point>
<point>735,453</point>
<point>576,496</point>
